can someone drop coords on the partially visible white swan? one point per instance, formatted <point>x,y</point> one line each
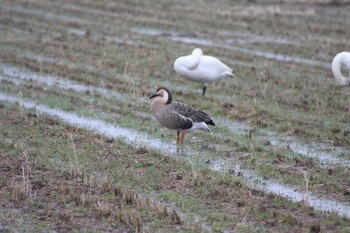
<point>338,60</point>
<point>201,68</point>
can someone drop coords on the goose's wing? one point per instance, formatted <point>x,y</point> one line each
<point>192,113</point>
<point>173,120</point>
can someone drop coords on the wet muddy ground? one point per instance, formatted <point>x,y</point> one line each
<point>80,149</point>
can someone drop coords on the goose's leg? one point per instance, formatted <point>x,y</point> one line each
<point>178,137</point>
<point>205,85</point>
<point>182,135</point>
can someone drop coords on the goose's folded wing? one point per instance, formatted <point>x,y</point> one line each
<point>173,120</point>
<point>192,113</point>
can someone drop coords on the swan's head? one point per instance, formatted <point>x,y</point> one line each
<point>162,96</point>
<point>197,52</point>
<point>183,64</point>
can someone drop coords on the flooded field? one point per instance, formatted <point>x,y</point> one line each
<point>81,151</point>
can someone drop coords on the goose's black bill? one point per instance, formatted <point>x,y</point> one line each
<point>153,95</point>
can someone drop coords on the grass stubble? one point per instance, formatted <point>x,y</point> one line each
<point>55,176</point>
<point>80,180</point>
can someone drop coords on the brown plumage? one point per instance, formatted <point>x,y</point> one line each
<point>178,116</point>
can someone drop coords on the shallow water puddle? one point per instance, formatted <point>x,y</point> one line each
<point>248,38</point>
<point>42,58</point>
<point>17,73</point>
<point>14,74</point>
<point>77,31</point>
<point>17,82</point>
<point>253,180</point>
<point>113,131</point>
<point>99,126</point>
<point>142,139</point>
<point>118,40</point>
<point>151,31</point>
<point>219,44</point>
<point>237,127</point>
<point>325,155</point>
<point>258,53</point>
<point>175,37</point>
<point>109,130</point>
<point>187,40</point>
<point>48,15</point>
<point>312,150</point>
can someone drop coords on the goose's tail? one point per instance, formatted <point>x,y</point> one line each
<point>201,126</point>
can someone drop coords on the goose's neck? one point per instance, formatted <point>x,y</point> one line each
<point>339,59</point>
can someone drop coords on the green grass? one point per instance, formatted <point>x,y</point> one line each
<point>286,98</point>
<point>260,154</point>
<point>87,187</point>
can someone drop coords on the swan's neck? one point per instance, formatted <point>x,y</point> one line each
<point>339,59</point>
<point>197,53</point>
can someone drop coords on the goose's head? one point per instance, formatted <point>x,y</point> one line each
<point>162,96</point>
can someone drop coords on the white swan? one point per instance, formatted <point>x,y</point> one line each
<point>201,68</point>
<point>338,60</point>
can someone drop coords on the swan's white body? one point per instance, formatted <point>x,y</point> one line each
<point>338,60</point>
<point>201,68</point>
